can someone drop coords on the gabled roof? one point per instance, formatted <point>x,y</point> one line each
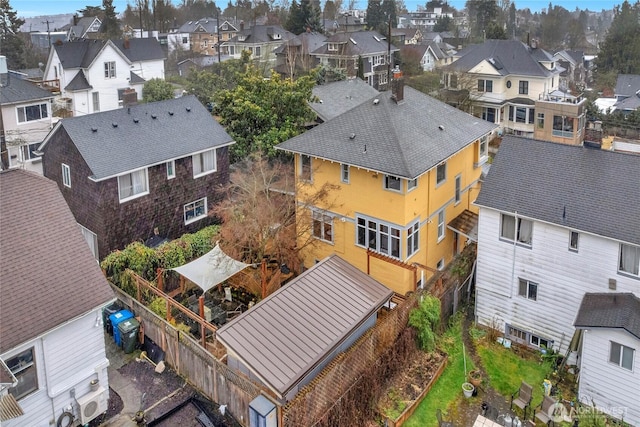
<point>359,43</point>
<point>627,84</point>
<point>147,49</point>
<point>81,53</point>
<point>630,103</point>
<point>507,57</point>
<point>79,82</point>
<point>261,34</point>
<point>284,337</point>
<point>610,310</point>
<point>18,90</point>
<point>585,189</point>
<point>337,97</point>
<point>135,79</point>
<point>308,41</point>
<point>209,25</point>
<point>404,140</point>
<point>164,130</point>
<point>41,286</point>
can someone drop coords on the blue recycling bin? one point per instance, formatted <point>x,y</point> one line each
<point>116,318</point>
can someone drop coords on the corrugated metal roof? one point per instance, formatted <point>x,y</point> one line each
<point>285,336</point>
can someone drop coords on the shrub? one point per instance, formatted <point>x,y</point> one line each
<point>159,307</point>
<point>426,318</point>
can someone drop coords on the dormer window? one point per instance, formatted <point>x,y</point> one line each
<point>332,47</point>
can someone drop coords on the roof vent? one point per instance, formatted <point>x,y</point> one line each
<point>136,120</point>
<point>171,113</point>
<point>376,101</point>
<point>153,116</point>
<point>440,127</point>
<point>352,136</point>
<point>188,109</point>
<point>114,124</point>
<point>94,129</point>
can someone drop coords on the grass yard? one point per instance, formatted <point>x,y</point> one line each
<point>448,387</point>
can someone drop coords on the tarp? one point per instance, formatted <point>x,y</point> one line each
<point>211,269</point>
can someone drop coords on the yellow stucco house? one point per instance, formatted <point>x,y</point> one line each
<point>407,168</point>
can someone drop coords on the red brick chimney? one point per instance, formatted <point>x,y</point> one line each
<point>397,85</point>
<point>127,43</point>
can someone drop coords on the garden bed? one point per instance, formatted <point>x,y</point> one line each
<point>407,389</point>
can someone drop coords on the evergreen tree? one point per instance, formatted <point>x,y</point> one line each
<point>294,20</point>
<point>310,14</point>
<point>11,45</point>
<point>388,14</point>
<point>444,23</point>
<point>620,52</point>
<point>375,17</point>
<point>481,13</point>
<point>110,22</point>
<point>330,11</point>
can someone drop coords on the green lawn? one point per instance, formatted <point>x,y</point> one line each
<point>448,388</point>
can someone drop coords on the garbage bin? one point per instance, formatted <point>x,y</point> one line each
<point>129,334</point>
<point>116,318</point>
<point>106,314</point>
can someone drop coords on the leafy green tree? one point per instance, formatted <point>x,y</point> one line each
<point>91,11</point>
<point>11,45</point>
<point>495,31</point>
<point>426,318</point>
<point>157,90</point>
<point>443,23</point>
<point>375,16</point>
<point>110,22</point>
<point>554,26</point>
<point>260,113</point>
<point>620,51</point>
<point>224,76</point>
<point>388,14</point>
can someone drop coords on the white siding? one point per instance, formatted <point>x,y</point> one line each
<point>108,88</point>
<point>613,389</point>
<point>563,277</point>
<point>67,359</point>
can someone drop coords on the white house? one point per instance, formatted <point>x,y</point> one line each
<point>26,120</point>
<point>51,334</point>
<point>95,75</point>
<point>556,222</point>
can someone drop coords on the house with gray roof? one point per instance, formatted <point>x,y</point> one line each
<point>201,36</point>
<point>627,93</point>
<point>26,120</point>
<point>95,75</point>
<point>431,54</point>
<point>294,55</point>
<point>328,307</point>
<point>260,41</point>
<point>609,328</point>
<point>505,79</point>
<point>51,334</point>
<point>366,54</point>
<point>128,171</point>
<point>87,27</point>
<point>556,222</point>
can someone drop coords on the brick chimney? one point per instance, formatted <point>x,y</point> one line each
<point>129,97</point>
<point>126,43</point>
<point>397,85</point>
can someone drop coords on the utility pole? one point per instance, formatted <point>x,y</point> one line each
<point>218,31</point>
<point>48,32</point>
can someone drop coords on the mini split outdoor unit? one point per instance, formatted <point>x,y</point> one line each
<point>92,404</point>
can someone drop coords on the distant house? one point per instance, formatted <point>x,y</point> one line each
<point>51,334</point>
<point>363,53</point>
<point>401,36</point>
<point>432,55</point>
<point>87,27</point>
<point>198,63</point>
<point>294,55</point>
<point>627,93</point>
<point>329,307</point>
<point>26,120</point>
<point>423,19</point>
<point>574,74</point>
<point>260,41</point>
<point>201,36</point>
<point>102,75</point>
<point>126,172</point>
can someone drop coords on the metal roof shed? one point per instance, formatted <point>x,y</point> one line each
<point>288,338</point>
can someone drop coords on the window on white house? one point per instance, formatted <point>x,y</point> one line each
<point>629,259</point>
<point>392,183</point>
<point>28,152</point>
<point>95,96</point>
<point>31,113</point>
<point>384,79</point>
<point>66,175</point>
<point>528,289</point>
<point>517,334</point>
<point>204,163</point>
<point>378,60</point>
<point>132,185</point>
<point>92,240</point>
<point>413,238</point>
<point>536,341</point>
<point>621,355</point>
<point>378,237</point>
<point>322,226</point>
<point>171,169</point>
<point>441,225</point>
<point>485,85</point>
<point>441,173</point>
<point>23,367</point>
<point>257,50</point>
<point>344,173</point>
<point>195,210</point>
<point>110,70</point>
<point>305,167</point>
<point>458,190</point>
<point>522,233</point>
<point>411,184</point>
<point>332,47</point>
<point>573,241</point>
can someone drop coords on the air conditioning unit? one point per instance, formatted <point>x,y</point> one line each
<point>92,404</point>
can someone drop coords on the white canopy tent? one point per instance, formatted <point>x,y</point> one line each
<point>211,269</point>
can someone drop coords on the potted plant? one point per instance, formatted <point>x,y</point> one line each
<point>467,389</point>
<point>475,377</point>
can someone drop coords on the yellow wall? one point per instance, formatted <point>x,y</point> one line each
<point>364,194</point>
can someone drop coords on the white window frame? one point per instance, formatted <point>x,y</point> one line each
<point>171,169</point>
<point>66,175</point>
<point>458,189</point>
<point>383,78</point>
<point>322,226</point>
<point>574,240</point>
<point>345,173</point>
<point>24,367</point>
<point>95,100</point>
<point>332,47</point>
<point>539,342</point>
<point>392,183</point>
<point>305,164</point>
<point>139,188</point>
<point>483,149</point>
<point>42,108</point>
<point>441,225</point>
<point>27,152</point>
<point>377,60</point>
<point>508,230</point>
<point>619,358</point>
<point>192,207</point>
<point>441,180</point>
<point>413,238</point>
<point>92,240</point>
<point>629,260</point>
<point>412,184</point>
<point>110,70</point>
<point>204,163</point>
<point>379,236</point>
<point>528,289</point>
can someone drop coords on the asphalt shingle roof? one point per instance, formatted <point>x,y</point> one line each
<point>627,84</point>
<point>210,25</point>
<point>42,286</point>
<point>507,56</point>
<point>582,188</point>
<point>81,53</point>
<point>18,90</point>
<point>366,43</point>
<point>262,34</point>
<point>404,140</point>
<point>610,310</point>
<point>338,97</point>
<point>164,130</point>
<point>79,82</point>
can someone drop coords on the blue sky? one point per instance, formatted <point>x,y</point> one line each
<point>29,8</point>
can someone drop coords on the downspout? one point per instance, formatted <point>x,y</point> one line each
<point>513,258</point>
